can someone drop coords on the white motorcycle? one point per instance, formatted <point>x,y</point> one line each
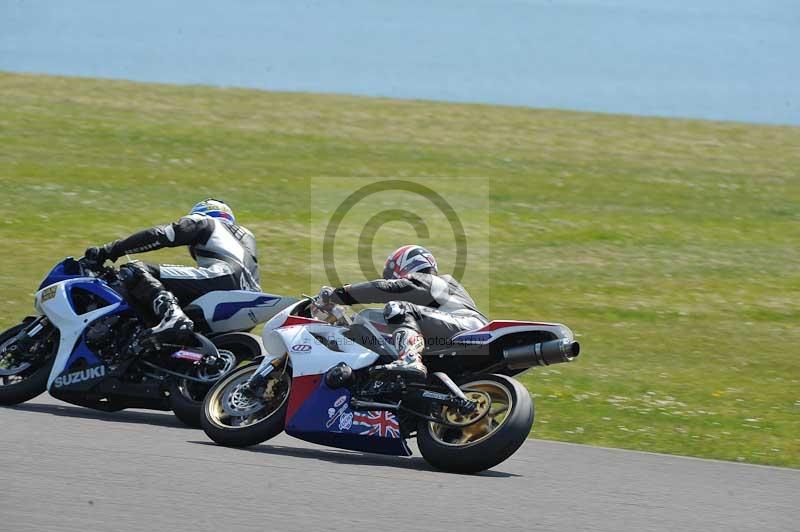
<point>318,383</point>
<point>83,345</point>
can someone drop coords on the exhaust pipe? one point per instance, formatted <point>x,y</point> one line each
<point>541,354</point>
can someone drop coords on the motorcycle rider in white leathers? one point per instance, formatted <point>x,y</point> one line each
<point>226,259</point>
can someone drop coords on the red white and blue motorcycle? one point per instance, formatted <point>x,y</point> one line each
<point>83,345</point>
<point>318,383</point>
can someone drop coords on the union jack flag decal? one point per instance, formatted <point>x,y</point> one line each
<point>377,423</point>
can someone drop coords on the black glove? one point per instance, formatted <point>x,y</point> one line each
<point>97,255</point>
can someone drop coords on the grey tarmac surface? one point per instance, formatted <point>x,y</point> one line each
<point>65,468</point>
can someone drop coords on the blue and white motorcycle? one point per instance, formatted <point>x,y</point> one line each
<point>83,345</point>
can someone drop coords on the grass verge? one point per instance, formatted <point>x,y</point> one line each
<point>671,246</point>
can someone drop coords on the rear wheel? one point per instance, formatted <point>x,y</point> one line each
<point>186,396</point>
<point>24,373</point>
<point>236,416</point>
<point>498,427</point>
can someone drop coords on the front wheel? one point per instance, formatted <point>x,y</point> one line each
<point>24,373</point>
<point>236,415</point>
<point>502,421</point>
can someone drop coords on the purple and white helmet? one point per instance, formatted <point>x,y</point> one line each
<point>407,260</point>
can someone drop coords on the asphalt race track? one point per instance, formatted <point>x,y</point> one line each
<point>66,468</point>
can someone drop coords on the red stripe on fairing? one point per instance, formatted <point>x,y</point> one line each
<point>299,320</point>
<point>494,325</point>
<point>302,388</point>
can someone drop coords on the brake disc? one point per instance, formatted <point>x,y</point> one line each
<point>210,375</point>
<point>7,370</point>
<point>239,402</point>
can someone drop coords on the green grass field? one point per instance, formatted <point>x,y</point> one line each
<point>670,246</point>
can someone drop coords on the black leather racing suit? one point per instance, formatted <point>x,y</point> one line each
<point>436,306</point>
<point>225,253</point>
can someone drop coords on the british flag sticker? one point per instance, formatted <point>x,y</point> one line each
<point>376,423</point>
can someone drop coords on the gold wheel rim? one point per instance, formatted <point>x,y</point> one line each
<point>483,405</point>
<point>497,409</point>
<point>216,411</point>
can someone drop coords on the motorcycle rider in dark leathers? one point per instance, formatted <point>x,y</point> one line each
<point>422,307</point>
<point>226,259</point>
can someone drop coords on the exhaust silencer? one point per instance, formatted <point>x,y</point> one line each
<point>541,354</point>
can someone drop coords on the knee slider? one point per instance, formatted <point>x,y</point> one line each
<point>408,342</point>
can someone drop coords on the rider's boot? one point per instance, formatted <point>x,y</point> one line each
<point>174,326</point>
<point>409,345</point>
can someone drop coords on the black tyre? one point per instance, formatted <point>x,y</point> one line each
<point>235,417</point>
<point>186,396</point>
<point>186,406</point>
<point>502,423</point>
<point>23,381</point>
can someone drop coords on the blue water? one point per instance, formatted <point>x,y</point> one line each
<point>718,59</point>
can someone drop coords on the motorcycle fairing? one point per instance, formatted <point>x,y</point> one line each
<point>495,329</point>
<point>309,348</point>
<point>68,268</point>
<point>55,301</point>
<point>319,414</point>
<point>82,371</point>
<point>238,310</point>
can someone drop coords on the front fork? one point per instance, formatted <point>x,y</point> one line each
<point>268,365</point>
<point>28,337</point>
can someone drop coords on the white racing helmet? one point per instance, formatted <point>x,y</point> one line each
<point>407,260</point>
